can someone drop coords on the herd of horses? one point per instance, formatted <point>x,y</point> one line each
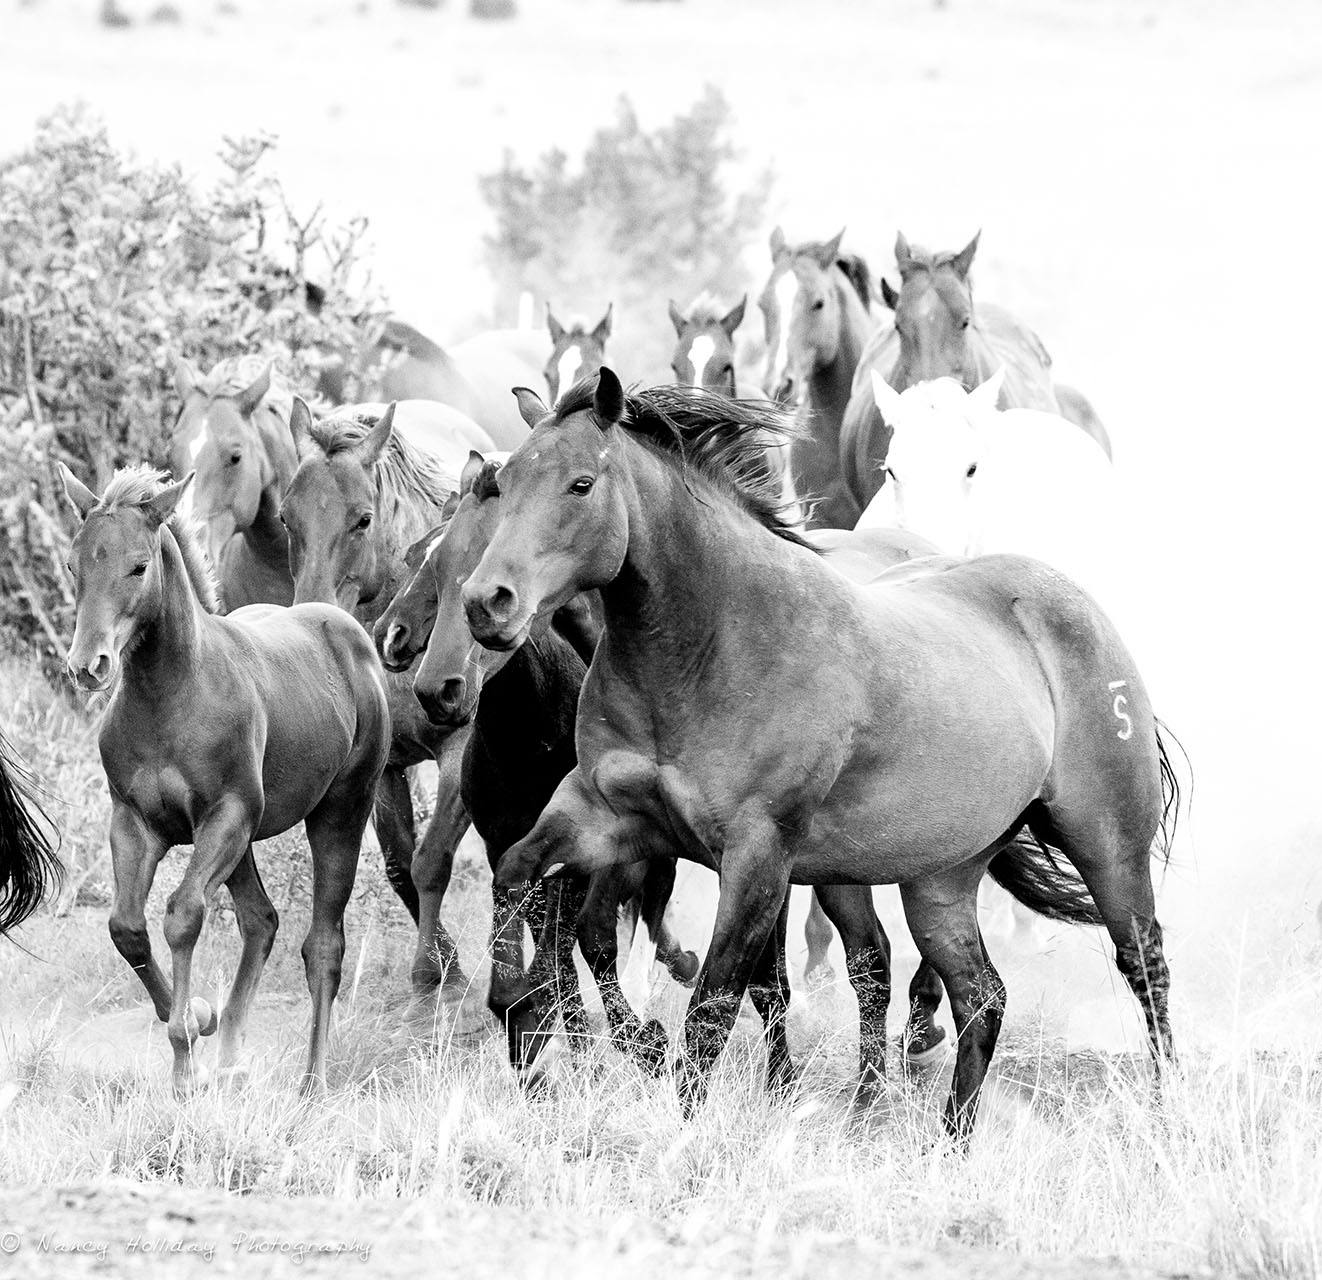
<point>800,638</point>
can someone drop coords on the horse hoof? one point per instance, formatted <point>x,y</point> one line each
<point>234,1076</point>
<point>931,1058</point>
<point>189,1080</point>
<point>684,968</point>
<point>205,1015</point>
<point>535,1076</point>
<point>820,975</point>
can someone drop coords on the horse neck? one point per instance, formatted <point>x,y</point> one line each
<point>528,707</point>
<point>830,386</point>
<point>668,616</point>
<point>166,648</point>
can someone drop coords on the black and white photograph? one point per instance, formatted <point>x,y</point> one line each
<point>660,638</point>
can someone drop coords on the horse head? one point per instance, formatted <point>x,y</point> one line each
<point>576,353</point>
<point>934,314</point>
<point>704,346</point>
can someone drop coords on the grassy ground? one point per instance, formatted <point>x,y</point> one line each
<point>1072,1159</point>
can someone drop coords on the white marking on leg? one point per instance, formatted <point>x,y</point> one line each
<point>701,351</point>
<point>567,367</point>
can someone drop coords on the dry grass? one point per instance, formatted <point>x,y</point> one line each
<point>1072,1157</point>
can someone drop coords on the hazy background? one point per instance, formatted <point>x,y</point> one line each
<point>1144,175</point>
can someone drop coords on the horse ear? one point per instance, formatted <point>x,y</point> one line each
<point>677,319</point>
<point>249,398</point>
<point>300,420</point>
<point>80,496</point>
<point>472,469</point>
<point>734,317</point>
<point>186,378</point>
<point>887,400</point>
<point>888,295</point>
<point>778,245</point>
<point>987,396</point>
<point>603,329</point>
<point>963,260</point>
<point>162,506</point>
<point>374,443</point>
<point>903,257</point>
<point>608,398</point>
<point>532,409</point>
<point>553,326</point>
<point>830,251</point>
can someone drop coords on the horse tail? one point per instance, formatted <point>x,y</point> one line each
<point>1035,873</point>
<point>28,862</point>
<point>1032,872</point>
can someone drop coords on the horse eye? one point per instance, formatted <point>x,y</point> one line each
<point>819,304</point>
<point>581,486</point>
<point>964,324</point>
<point>364,520</point>
<point>138,570</point>
<point>235,459</point>
<point>972,471</point>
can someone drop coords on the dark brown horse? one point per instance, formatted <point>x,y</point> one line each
<point>966,702</point>
<point>938,333</point>
<point>364,491</point>
<point>233,435</point>
<point>28,863</point>
<point>220,731</point>
<point>816,303</point>
<point>576,352</point>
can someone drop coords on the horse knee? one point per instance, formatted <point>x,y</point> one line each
<point>323,955</point>
<point>184,914</point>
<point>131,941</point>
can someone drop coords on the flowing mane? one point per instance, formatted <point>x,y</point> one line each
<point>412,485</point>
<point>724,441</point>
<point>135,487</point>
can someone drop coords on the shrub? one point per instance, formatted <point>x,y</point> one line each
<point>641,218</point>
<point>109,269</point>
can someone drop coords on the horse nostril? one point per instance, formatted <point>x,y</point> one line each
<point>100,667</point>
<point>452,693</point>
<point>396,638</point>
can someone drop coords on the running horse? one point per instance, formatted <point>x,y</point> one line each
<point>817,307</point>
<point>233,434</point>
<point>220,731</point>
<point>28,863</point>
<point>938,333</point>
<point>371,480</point>
<point>965,722</point>
<point>576,352</point>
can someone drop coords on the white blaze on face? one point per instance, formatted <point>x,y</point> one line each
<point>701,350</point>
<point>195,447</point>
<point>567,367</point>
<point>786,289</point>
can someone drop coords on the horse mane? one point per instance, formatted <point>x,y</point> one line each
<point>402,336</point>
<point>137,486</point>
<point>724,441</point>
<point>485,484</point>
<point>237,373</point>
<point>855,270</point>
<point>931,262</point>
<point>412,485</point>
<point>705,310</point>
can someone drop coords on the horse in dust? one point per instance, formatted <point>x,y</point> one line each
<point>938,333</point>
<point>474,376</point>
<point>29,866</point>
<point>964,722</point>
<point>233,434</point>
<point>704,354</point>
<point>576,352</point>
<point>220,731</point>
<point>370,481</point>
<point>817,307</point>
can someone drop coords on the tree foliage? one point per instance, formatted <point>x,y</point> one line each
<point>109,269</point>
<point>643,216</point>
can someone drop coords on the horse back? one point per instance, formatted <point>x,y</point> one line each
<point>1001,338</point>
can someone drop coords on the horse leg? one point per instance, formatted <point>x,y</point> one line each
<point>868,963</point>
<point>646,1042</point>
<point>817,932</point>
<point>393,819</point>
<point>508,979</point>
<point>942,912</point>
<point>135,853</point>
<point>258,921</point>
<point>769,990</point>
<point>436,957</point>
<point>658,885</point>
<point>924,1037</point>
<point>754,885</point>
<point>335,833</point>
<point>219,845</point>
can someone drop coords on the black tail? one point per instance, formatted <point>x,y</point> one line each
<point>28,865</point>
<point>1037,875</point>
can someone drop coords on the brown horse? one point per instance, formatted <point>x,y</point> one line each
<point>365,490</point>
<point>576,352</point>
<point>220,731</point>
<point>233,435</point>
<point>963,702</point>
<point>938,333</point>
<point>704,354</point>
<point>474,376</point>
<point>816,303</point>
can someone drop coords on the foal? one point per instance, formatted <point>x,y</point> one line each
<point>220,731</point>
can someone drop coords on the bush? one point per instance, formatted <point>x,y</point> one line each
<point>643,217</point>
<point>109,269</point>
